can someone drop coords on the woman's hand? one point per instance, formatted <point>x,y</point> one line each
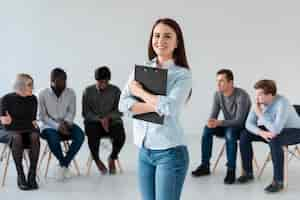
<point>35,124</point>
<point>6,120</point>
<point>136,88</point>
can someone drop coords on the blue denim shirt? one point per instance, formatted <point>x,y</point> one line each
<point>170,134</point>
<point>276,116</point>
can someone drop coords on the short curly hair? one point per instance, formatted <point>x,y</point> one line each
<point>268,86</point>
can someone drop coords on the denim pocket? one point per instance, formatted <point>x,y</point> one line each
<point>181,153</point>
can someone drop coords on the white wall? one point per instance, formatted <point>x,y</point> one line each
<point>256,39</point>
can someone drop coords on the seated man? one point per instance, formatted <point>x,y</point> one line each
<point>273,121</point>
<point>102,118</point>
<point>235,104</point>
<point>57,106</point>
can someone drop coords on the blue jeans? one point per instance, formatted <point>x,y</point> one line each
<point>288,136</point>
<point>54,138</point>
<point>231,137</point>
<point>162,172</point>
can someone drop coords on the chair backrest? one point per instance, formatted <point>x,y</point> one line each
<point>297,108</point>
<point>0,111</point>
<point>3,134</point>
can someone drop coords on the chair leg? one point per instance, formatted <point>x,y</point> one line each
<point>218,158</point>
<point>285,168</point>
<point>3,152</point>
<point>43,156</point>
<point>67,146</point>
<point>76,167</point>
<point>5,168</point>
<point>264,165</point>
<point>297,149</point>
<point>118,164</point>
<point>89,165</point>
<point>26,158</point>
<point>255,163</point>
<point>48,163</point>
<point>292,153</point>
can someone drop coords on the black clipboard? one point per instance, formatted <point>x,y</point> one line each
<point>153,80</point>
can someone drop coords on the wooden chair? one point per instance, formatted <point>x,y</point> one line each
<point>220,154</point>
<point>292,153</point>
<point>66,146</point>
<point>106,147</point>
<point>287,152</point>
<point>5,157</point>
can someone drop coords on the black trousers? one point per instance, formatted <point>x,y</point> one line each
<point>25,140</point>
<point>288,136</point>
<point>95,133</point>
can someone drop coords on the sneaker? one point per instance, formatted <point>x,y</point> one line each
<point>60,173</point>
<point>274,187</point>
<point>202,170</point>
<point>230,176</point>
<point>245,178</point>
<point>67,173</point>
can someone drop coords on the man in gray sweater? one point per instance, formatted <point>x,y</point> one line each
<point>235,104</point>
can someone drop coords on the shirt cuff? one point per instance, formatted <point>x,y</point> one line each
<point>129,103</point>
<point>161,107</point>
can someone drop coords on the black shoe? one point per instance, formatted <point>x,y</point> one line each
<point>230,176</point>
<point>245,178</point>
<point>22,184</point>
<point>202,170</point>
<point>274,187</point>
<point>31,181</point>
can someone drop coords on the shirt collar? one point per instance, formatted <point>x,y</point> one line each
<point>53,93</point>
<point>165,65</point>
<point>275,99</point>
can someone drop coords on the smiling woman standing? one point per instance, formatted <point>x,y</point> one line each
<point>163,156</point>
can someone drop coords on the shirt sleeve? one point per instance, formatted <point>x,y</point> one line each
<point>4,106</point>
<point>71,111</point>
<point>126,99</point>
<point>35,107</point>
<point>276,125</point>
<point>251,123</point>
<point>43,115</point>
<point>87,112</point>
<point>169,105</point>
<point>216,107</point>
<point>115,113</point>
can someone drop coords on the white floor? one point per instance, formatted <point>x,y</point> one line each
<point>124,186</point>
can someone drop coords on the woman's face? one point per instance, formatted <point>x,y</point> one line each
<point>28,88</point>
<point>164,41</point>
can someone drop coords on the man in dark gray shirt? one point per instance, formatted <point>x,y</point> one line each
<point>235,104</point>
<point>102,118</point>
